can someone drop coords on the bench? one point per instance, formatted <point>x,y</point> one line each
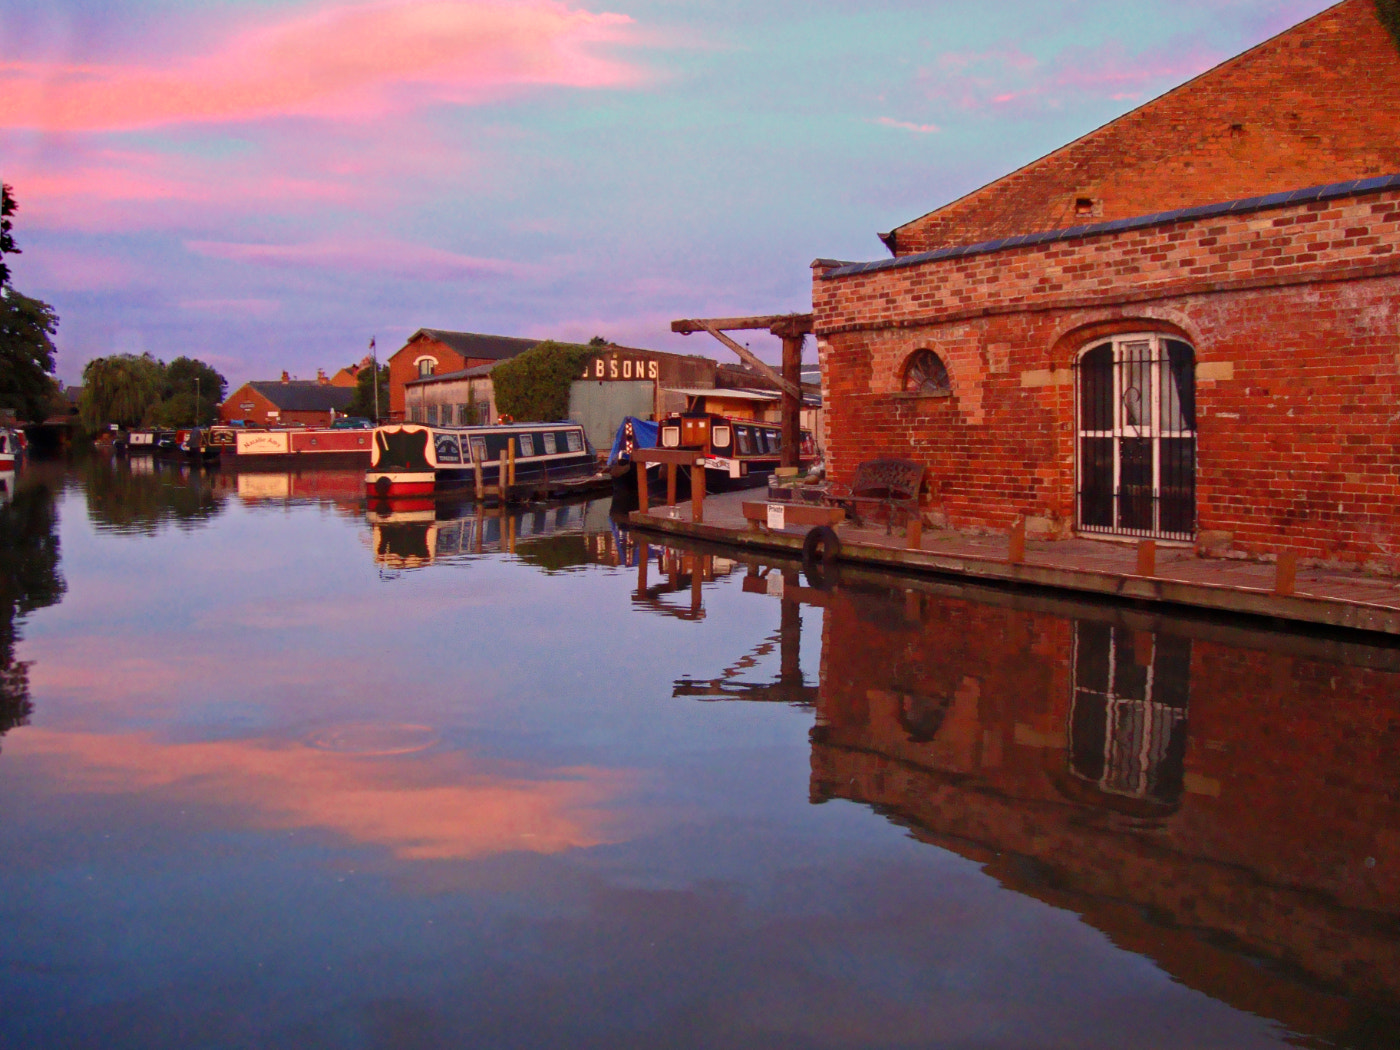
<point>890,483</point>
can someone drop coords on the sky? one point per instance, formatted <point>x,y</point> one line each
<point>269,184</point>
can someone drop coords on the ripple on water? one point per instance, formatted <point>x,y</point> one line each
<point>374,738</point>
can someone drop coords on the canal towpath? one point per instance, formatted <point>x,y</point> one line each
<point>1179,576</point>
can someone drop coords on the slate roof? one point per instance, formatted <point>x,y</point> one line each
<point>1332,191</point>
<point>305,395</point>
<point>470,344</point>
<point>463,373</point>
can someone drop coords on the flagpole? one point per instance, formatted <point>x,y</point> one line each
<point>374,364</point>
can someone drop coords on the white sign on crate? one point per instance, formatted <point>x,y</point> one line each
<point>777,516</point>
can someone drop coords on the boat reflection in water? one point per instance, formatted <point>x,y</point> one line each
<point>1221,800</point>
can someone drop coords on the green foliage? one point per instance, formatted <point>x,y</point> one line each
<point>7,239</point>
<point>121,389</point>
<point>535,385</point>
<point>1389,12</point>
<point>26,354</point>
<point>136,391</point>
<point>29,580</point>
<point>143,504</point>
<point>362,404</point>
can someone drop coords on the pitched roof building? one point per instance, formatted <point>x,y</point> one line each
<point>1181,326</point>
<point>431,351</point>
<point>274,403</point>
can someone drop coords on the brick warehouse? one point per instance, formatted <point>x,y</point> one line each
<point>1212,354</point>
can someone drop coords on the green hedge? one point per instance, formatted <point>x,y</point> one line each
<point>1389,11</point>
<point>535,385</point>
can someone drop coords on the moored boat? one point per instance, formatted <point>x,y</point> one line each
<point>739,453</point>
<point>417,460</point>
<point>12,446</point>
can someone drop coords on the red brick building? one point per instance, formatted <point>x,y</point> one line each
<point>431,351</point>
<point>1212,352</point>
<point>314,403</point>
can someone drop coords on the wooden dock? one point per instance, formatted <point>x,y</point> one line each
<point>1138,573</point>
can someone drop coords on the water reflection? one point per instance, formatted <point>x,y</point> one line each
<point>140,495</point>
<point>29,580</point>
<point>552,538</point>
<point>1219,799</point>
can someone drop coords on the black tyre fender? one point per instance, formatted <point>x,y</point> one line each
<point>820,550</point>
<point>381,485</point>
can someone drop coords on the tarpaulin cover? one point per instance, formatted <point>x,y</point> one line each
<point>644,434</point>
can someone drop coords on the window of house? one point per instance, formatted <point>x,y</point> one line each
<point>926,375</point>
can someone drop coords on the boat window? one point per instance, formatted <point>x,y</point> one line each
<point>575,440</point>
<point>775,441</point>
<point>478,445</point>
<point>720,437</point>
<point>551,443</point>
<point>745,441</point>
<point>527,444</point>
<point>671,437</point>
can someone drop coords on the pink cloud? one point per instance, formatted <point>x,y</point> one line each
<point>344,63</point>
<point>400,258</point>
<point>905,125</point>
<point>68,270</point>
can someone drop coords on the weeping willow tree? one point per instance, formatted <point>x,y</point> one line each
<point>1389,11</point>
<point>121,389</point>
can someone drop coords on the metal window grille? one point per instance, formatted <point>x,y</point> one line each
<point>1136,425</point>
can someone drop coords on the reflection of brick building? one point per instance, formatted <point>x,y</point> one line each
<point>1178,792</point>
<point>1069,345</point>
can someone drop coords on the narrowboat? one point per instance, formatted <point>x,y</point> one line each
<point>415,459</point>
<point>739,453</point>
<point>12,446</point>
<point>291,446</point>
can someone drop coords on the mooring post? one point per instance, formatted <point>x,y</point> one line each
<point>914,529</point>
<point>1016,551</point>
<point>1286,576</point>
<point>476,473</point>
<point>510,460</point>
<point>671,471</point>
<point>792,402</point>
<point>641,469</point>
<point>697,492</point>
<point>1147,558</point>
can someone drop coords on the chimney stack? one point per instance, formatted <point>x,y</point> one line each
<point>285,377</point>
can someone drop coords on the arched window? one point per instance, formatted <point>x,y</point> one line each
<point>426,366</point>
<point>1137,437</point>
<point>925,374</point>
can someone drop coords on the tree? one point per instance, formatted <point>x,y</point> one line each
<point>26,355</point>
<point>185,379</point>
<point>26,327</point>
<point>535,385</point>
<point>1389,12</point>
<point>122,389</point>
<point>362,404</point>
<point>7,240</point>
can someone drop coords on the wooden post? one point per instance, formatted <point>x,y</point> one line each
<point>1286,578</point>
<point>697,492</point>
<point>1016,552</point>
<point>792,402</point>
<point>1147,558</point>
<point>671,470</point>
<point>914,529</point>
<point>510,460</point>
<point>641,469</point>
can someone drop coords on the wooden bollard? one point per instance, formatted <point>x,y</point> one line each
<point>476,474</point>
<point>641,487</point>
<point>914,529</point>
<point>1286,577</point>
<point>1147,558</point>
<point>671,471</point>
<point>510,460</point>
<point>697,492</point>
<point>1016,550</point>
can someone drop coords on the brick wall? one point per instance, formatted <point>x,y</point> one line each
<point>1294,313</point>
<point>953,717</point>
<point>403,367</point>
<point>1317,104</point>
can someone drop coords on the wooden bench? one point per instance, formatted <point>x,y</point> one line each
<point>890,483</point>
<point>793,514</point>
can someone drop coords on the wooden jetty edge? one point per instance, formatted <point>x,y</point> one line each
<point>1134,573</point>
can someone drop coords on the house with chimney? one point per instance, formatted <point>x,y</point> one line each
<point>287,402</point>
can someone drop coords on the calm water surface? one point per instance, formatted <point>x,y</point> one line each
<point>282,770</point>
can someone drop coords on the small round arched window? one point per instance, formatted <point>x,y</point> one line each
<point>926,374</point>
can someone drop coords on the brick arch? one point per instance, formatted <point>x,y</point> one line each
<point>1066,349</point>
<point>925,358</point>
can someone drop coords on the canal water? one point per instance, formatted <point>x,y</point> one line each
<point>282,770</point>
